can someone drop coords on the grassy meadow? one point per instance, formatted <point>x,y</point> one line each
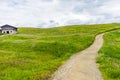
<point>34,53</point>
<point>109,56</point>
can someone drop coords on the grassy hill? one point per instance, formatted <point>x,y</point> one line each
<point>109,56</point>
<point>34,53</point>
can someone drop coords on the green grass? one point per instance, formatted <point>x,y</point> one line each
<point>109,56</point>
<point>34,53</point>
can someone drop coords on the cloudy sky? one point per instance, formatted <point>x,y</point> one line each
<point>50,13</point>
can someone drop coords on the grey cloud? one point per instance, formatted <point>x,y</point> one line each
<point>50,23</point>
<point>74,22</point>
<point>12,3</point>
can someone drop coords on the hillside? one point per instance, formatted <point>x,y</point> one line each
<point>34,53</point>
<point>109,56</point>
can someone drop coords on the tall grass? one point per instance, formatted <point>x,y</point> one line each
<point>109,56</point>
<point>34,53</point>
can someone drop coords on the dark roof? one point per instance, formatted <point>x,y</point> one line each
<point>8,26</point>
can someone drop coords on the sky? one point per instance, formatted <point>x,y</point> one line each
<point>52,13</point>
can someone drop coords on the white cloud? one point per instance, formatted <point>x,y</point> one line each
<point>50,13</point>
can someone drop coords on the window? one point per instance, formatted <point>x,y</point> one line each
<point>7,32</point>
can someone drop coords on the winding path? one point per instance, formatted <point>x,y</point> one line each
<point>82,66</point>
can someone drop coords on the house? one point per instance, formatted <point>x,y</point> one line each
<point>7,29</point>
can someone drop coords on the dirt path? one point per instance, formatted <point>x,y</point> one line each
<point>82,66</point>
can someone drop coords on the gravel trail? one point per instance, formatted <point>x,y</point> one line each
<point>82,66</point>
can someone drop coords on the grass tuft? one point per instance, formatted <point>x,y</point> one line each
<point>109,56</point>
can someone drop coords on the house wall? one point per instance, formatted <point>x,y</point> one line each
<point>9,31</point>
